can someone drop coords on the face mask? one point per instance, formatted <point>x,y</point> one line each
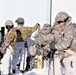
<point>9,27</point>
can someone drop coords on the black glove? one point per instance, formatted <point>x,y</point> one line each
<point>1,55</point>
<point>38,52</point>
<point>25,44</point>
<point>42,45</point>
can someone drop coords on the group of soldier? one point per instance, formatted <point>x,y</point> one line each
<point>55,43</point>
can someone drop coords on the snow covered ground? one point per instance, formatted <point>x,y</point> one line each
<point>35,71</point>
<point>58,69</point>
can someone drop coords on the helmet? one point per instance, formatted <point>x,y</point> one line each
<point>9,23</point>
<point>61,16</point>
<point>20,20</point>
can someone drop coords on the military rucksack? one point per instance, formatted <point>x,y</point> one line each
<point>44,37</point>
<point>44,34</point>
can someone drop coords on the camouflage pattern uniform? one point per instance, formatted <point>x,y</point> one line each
<point>30,42</point>
<point>8,46</point>
<point>56,33</point>
<point>20,40</point>
<point>43,37</point>
<point>66,43</point>
<point>11,38</point>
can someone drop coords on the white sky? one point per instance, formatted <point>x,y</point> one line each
<point>2,12</point>
<point>68,6</point>
<point>35,11</point>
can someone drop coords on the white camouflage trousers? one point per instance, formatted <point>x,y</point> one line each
<point>70,65</point>
<point>6,61</point>
<point>57,68</point>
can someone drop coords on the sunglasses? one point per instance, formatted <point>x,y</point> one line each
<point>9,27</point>
<point>60,22</point>
<point>63,21</point>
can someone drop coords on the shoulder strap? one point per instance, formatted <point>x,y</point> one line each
<point>19,37</point>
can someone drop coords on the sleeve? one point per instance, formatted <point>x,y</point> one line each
<point>66,39</point>
<point>33,29</point>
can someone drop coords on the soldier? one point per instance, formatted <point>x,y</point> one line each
<point>22,33</point>
<point>6,51</point>
<point>66,43</point>
<point>58,69</point>
<point>56,31</point>
<point>46,36</point>
<point>9,25</point>
<point>43,37</point>
<point>30,42</point>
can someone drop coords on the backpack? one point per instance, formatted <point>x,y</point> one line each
<point>44,34</point>
<point>44,37</point>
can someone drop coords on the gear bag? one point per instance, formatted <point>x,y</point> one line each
<point>44,37</point>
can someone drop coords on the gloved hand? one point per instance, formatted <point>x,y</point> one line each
<point>38,52</point>
<point>38,24</point>
<point>52,45</point>
<point>42,45</point>
<point>1,55</point>
<point>25,44</point>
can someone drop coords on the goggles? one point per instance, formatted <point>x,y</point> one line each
<point>63,21</point>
